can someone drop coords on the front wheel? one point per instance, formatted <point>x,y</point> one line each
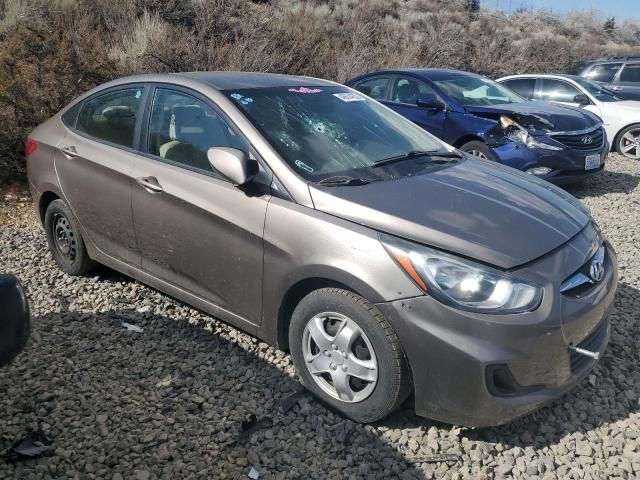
<point>628,143</point>
<point>348,355</point>
<point>478,149</point>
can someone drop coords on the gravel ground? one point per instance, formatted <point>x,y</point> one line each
<point>169,402</point>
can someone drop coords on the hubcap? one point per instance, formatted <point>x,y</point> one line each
<point>630,144</point>
<point>63,237</point>
<point>340,357</point>
<point>477,153</point>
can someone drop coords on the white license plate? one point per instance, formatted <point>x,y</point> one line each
<point>591,162</point>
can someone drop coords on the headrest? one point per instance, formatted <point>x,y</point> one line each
<point>186,121</point>
<point>407,92</point>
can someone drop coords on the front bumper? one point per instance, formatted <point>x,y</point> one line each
<point>453,354</point>
<point>567,165</point>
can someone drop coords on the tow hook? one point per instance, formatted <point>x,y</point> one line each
<point>588,353</point>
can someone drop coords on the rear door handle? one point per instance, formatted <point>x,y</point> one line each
<point>150,184</point>
<point>70,151</point>
<point>616,89</point>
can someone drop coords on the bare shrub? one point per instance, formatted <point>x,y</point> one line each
<point>51,50</point>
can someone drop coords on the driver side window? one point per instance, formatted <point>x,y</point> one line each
<point>182,129</point>
<point>408,90</point>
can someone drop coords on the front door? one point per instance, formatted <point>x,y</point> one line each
<point>405,92</point>
<point>94,163</point>
<point>194,229</point>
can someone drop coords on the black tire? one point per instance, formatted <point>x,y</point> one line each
<point>479,147</point>
<point>621,141</point>
<point>65,241</point>
<point>392,385</point>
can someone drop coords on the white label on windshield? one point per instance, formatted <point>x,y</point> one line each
<point>349,97</point>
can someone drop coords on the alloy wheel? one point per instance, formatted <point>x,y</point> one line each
<point>630,144</point>
<point>340,357</point>
<point>477,153</point>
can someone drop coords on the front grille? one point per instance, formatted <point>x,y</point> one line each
<point>580,142</point>
<point>594,342</point>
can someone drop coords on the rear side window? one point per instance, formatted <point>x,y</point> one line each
<point>631,73</point>
<point>111,117</point>
<point>604,72</point>
<point>523,86</point>
<point>375,87</point>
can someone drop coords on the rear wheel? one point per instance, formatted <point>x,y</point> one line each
<point>478,149</point>
<point>348,355</point>
<point>628,143</point>
<point>64,239</point>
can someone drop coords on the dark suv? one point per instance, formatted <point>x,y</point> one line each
<point>619,74</point>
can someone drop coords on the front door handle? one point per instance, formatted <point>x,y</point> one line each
<point>70,151</point>
<point>616,89</point>
<point>150,184</point>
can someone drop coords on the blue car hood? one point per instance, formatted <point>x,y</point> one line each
<point>540,117</point>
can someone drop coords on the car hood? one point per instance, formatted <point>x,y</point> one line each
<point>540,117</point>
<point>477,209</point>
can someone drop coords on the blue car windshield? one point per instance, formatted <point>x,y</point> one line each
<point>326,131</point>
<point>598,91</point>
<point>472,90</point>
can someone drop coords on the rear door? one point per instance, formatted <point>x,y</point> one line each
<point>94,164</point>
<point>627,84</point>
<point>195,230</point>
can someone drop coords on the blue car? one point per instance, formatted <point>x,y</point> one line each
<point>558,143</point>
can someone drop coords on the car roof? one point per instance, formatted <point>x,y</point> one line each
<point>431,73</point>
<point>229,80</point>
<point>544,75</point>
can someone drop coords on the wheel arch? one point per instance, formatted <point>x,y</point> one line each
<point>45,200</point>
<point>614,142</point>
<point>303,286</point>
<point>468,138</point>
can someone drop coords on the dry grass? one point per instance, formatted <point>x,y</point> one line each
<point>50,50</point>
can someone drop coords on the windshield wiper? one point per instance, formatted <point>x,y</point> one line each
<point>416,154</point>
<point>342,180</point>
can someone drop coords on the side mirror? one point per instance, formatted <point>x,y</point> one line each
<point>15,319</point>
<point>581,99</point>
<point>233,164</point>
<point>430,104</point>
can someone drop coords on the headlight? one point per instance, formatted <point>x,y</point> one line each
<point>517,133</point>
<point>462,283</point>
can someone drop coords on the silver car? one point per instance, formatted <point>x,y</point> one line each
<point>322,222</point>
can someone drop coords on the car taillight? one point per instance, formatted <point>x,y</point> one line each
<point>29,147</point>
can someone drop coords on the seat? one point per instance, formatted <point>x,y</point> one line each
<point>192,133</point>
<point>407,93</point>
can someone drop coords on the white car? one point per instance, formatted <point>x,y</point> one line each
<point>621,118</point>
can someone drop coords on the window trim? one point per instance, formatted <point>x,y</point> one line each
<point>139,114</point>
<point>391,90</point>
